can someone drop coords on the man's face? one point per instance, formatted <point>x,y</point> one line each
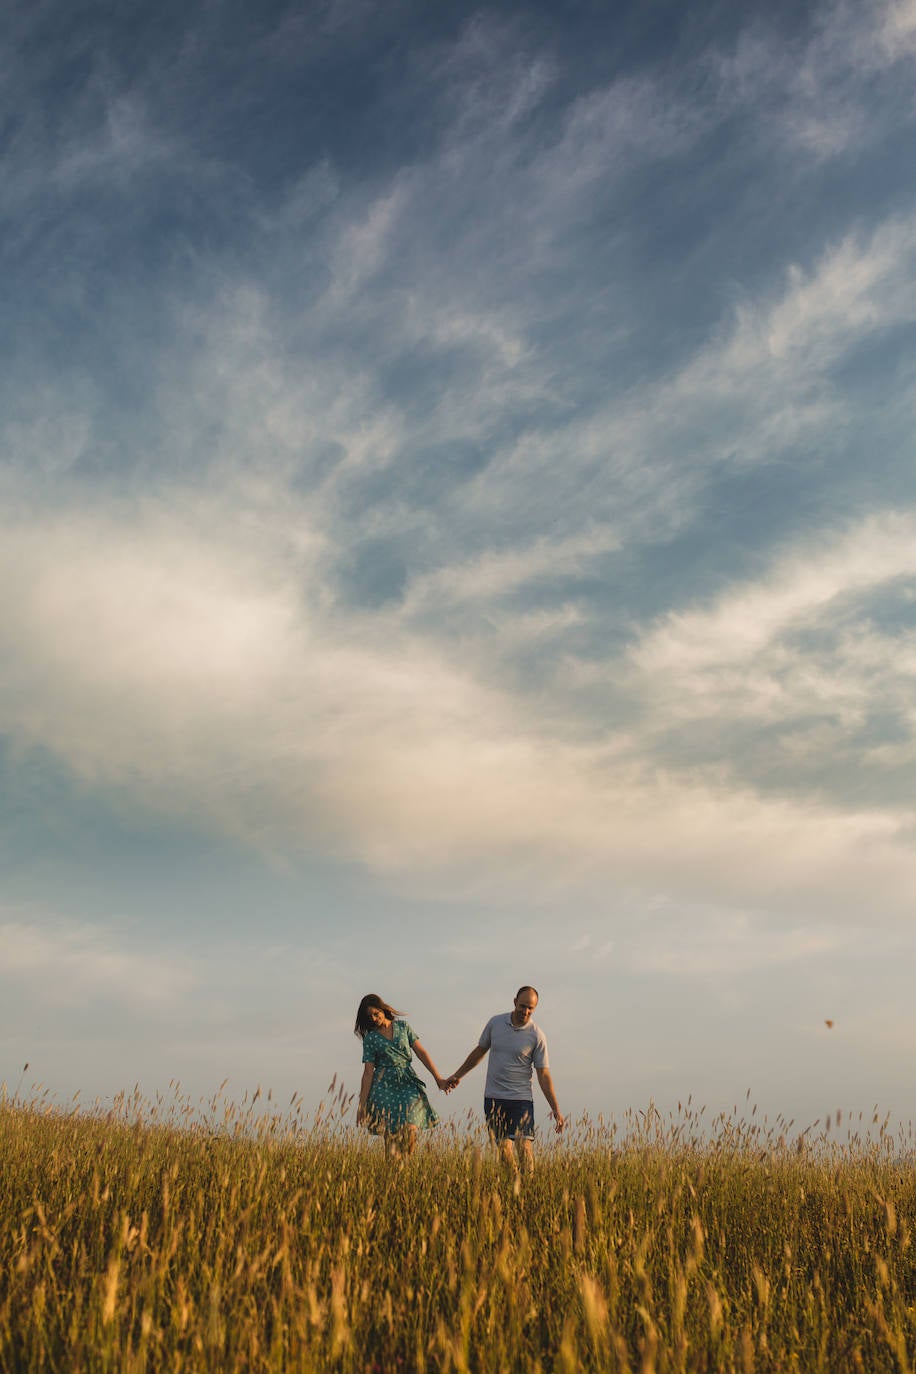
<point>524,1007</point>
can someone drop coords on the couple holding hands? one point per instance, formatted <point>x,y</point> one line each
<point>393,1101</point>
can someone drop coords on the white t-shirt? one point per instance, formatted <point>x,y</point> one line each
<point>515,1052</point>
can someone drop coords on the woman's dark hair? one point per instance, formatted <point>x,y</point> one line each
<point>363,1023</point>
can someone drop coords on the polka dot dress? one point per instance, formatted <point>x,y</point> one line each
<point>397,1097</point>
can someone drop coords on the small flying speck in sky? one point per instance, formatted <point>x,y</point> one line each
<point>829,1025</point>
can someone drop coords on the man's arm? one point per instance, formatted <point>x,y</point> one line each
<point>473,1059</point>
<point>549,1092</point>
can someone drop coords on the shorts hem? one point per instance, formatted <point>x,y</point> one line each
<point>509,1118</point>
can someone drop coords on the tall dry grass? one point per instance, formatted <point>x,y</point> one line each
<point>181,1238</point>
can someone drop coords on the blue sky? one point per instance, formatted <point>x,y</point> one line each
<point>459,529</point>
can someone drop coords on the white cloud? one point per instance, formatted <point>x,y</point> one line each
<point>190,644</point>
<point>768,383</point>
<point>818,94</point>
<point>109,141</point>
<point>493,575</point>
<point>364,246</point>
<point>741,657</point>
<point>632,121</point>
<point>45,429</point>
<point>765,386</point>
<point>487,331</point>
<point>704,943</point>
<point>489,80</point>
<point>897,31</point>
<point>67,964</point>
<point>181,661</point>
<point>855,290</point>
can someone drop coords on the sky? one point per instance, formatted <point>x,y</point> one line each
<point>458,530</point>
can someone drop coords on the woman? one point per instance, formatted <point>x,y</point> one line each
<point>392,1099</point>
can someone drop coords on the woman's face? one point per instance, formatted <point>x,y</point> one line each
<point>376,1016</point>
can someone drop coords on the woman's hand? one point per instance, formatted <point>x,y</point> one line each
<point>361,1114</point>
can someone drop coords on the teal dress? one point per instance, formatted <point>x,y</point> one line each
<point>397,1097</point>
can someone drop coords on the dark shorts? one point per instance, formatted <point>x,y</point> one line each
<point>509,1118</point>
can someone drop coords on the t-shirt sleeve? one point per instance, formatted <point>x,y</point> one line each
<point>368,1048</point>
<point>412,1036</point>
<point>486,1035</point>
<point>539,1058</point>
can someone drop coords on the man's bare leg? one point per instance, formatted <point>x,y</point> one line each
<point>507,1155</point>
<point>525,1154</point>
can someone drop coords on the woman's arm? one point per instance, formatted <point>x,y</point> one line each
<point>424,1058</point>
<point>365,1085</point>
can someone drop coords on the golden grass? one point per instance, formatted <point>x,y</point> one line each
<point>154,1239</point>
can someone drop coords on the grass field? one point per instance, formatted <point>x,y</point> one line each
<point>172,1239</point>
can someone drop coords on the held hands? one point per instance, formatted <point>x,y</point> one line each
<point>447,1084</point>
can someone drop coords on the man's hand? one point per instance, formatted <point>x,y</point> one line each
<point>549,1092</point>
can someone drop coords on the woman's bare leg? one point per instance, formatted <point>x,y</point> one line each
<point>409,1139</point>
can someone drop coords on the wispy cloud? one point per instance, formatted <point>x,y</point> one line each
<point>709,943</point>
<point>798,648</point>
<point>897,31</point>
<point>190,671</point>
<point>67,964</point>
<point>817,93</point>
<point>494,575</point>
<point>200,645</point>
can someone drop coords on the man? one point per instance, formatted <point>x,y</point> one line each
<point>518,1049</point>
